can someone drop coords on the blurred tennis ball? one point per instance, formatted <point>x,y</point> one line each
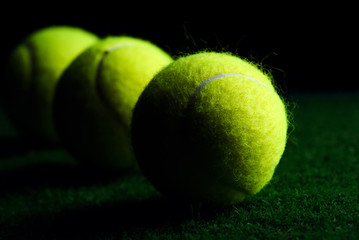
<point>34,69</point>
<point>96,95</point>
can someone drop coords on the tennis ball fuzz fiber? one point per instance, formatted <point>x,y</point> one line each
<point>34,69</point>
<point>96,95</point>
<point>209,128</point>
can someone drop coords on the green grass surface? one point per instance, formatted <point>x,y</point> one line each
<point>314,193</point>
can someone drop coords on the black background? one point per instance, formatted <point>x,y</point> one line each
<point>305,51</point>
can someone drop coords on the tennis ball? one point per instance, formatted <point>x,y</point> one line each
<point>34,69</point>
<point>96,95</point>
<point>209,128</point>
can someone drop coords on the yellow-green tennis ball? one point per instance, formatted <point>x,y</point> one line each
<point>211,128</point>
<point>35,67</point>
<point>96,95</point>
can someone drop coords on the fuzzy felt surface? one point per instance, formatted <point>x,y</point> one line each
<point>219,145</point>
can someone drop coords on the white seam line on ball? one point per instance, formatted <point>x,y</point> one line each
<point>220,76</point>
<point>99,68</point>
<point>99,65</point>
